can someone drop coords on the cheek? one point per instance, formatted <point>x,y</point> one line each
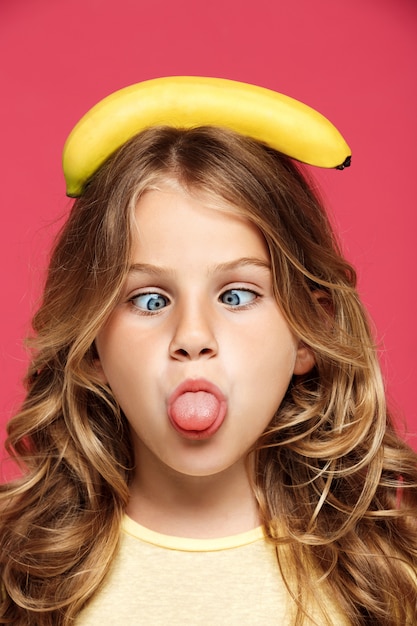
<point>130,364</point>
<point>267,369</point>
<point>275,376</point>
<point>276,350</point>
<point>116,356</point>
<point>280,359</point>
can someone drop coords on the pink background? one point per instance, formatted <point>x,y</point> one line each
<point>355,61</point>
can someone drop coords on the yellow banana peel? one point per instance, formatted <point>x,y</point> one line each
<point>282,122</point>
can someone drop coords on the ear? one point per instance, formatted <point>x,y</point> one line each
<point>97,366</point>
<point>304,361</point>
<point>99,371</point>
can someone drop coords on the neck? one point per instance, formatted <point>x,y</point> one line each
<point>200,507</point>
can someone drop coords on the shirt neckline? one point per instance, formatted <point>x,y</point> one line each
<point>170,542</point>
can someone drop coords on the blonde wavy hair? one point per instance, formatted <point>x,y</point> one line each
<point>336,487</point>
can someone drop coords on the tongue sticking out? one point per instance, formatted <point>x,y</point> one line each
<point>195,410</point>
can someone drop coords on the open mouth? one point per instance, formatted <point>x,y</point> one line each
<point>197,409</point>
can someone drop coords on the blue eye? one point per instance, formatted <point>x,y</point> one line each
<point>237,297</point>
<point>150,301</point>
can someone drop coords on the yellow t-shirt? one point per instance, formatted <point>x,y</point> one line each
<point>159,580</point>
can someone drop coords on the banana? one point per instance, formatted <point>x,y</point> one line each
<point>283,123</point>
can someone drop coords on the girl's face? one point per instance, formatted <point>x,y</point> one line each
<point>197,352</point>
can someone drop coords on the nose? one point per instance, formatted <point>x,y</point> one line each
<point>194,336</point>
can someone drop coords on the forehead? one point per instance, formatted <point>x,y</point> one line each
<point>202,192</point>
<point>194,225</point>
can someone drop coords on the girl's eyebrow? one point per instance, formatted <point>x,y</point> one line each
<point>242,262</point>
<point>148,268</point>
<point>156,270</point>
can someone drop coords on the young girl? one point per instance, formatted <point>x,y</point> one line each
<point>205,438</point>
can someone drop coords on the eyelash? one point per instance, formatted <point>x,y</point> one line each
<point>141,311</point>
<point>245,305</point>
<point>155,294</point>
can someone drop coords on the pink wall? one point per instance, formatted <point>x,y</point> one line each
<point>355,61</point>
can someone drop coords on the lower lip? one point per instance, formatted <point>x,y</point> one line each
<point>196,385</point>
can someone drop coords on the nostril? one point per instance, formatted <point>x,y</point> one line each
<point>182,353</point>
<point>192,343</point>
